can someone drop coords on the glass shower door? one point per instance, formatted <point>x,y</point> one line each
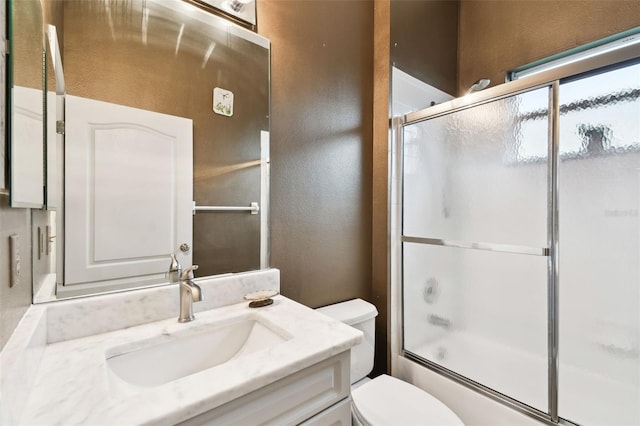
<point>599,239</point>
<point>521,244</point>
<point>475,243</point>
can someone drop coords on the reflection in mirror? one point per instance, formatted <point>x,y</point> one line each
<point>145,137</point>
<point>26,95</point>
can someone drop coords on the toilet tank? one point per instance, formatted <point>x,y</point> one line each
<point>361,315</point>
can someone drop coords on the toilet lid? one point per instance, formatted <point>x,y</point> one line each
<point>386,400</point>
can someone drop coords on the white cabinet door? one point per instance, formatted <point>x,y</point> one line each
<point>128,191</point>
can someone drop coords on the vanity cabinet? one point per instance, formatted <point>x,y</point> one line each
<point>336,415</point>
<point>316,395</point>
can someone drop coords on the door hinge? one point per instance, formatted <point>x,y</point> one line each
<point>60,127</point>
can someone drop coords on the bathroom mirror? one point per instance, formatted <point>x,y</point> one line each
<point>165,146</point>
<point>25,82</point>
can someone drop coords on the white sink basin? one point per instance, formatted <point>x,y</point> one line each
<point>171,356</point>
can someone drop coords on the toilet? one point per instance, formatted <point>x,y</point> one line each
<point>384,400</point>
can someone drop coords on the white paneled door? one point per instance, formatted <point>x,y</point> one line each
<point>128,191</point>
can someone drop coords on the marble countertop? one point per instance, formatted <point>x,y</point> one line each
<point>73,384</point>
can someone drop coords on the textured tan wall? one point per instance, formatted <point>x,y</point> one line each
<point>380,219</point>
<point>424,40</point>
<point>27,44</point>
<point>321,146</point>
<point>496,36</point>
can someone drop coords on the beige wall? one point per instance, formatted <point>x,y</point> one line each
<point>380,218</point>
<point>424,40</point>
<point>27,44</point>
<point>329,162</point>
<point>496,36</point>
<point>321,146</point>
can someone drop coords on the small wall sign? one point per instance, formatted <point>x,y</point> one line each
<point>223,102</point>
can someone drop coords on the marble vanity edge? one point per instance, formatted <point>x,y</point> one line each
<point>19,363</point>
<point>72,319</point>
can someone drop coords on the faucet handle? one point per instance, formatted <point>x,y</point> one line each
<point>187,274</point>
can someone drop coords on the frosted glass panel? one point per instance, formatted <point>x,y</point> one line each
<point>599,234</point>
<point>481,314</point>
<point>480,174</point>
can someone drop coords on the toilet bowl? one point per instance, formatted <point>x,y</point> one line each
<point>384,400</point>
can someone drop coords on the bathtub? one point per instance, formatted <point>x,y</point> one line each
<point>585,397</point>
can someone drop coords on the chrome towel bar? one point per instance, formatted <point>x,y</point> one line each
<point>254,208</point>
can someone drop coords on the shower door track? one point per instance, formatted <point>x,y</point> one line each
<point>550,79</point>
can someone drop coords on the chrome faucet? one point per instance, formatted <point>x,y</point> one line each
<point>189,292</point>
<point>175,270</point>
